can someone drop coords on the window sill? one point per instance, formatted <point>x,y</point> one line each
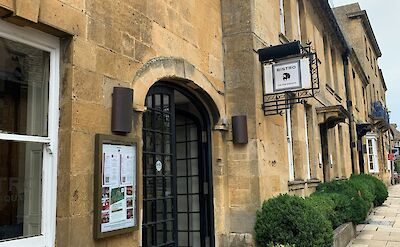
<point>313,182</point>
<point>296,185</point>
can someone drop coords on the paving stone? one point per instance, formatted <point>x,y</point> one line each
<point>370,243</point>
<point>382,227</point>
<point>392,244</point>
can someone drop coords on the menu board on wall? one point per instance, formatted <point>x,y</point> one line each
<point>115,186</point>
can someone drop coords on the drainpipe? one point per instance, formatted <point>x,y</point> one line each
<point>349,105</point>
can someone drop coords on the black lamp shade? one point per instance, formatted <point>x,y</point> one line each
<point>122,104</point>
<point>239,129</point>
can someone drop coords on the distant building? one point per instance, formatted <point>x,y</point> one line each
<point>368,93</point>
<point>396,141</point>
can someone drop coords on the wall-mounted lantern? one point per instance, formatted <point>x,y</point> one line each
<point>239,129</point>
<point>122,103</point>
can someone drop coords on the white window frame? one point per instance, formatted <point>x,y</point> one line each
<point>372,139</point>
<point>282,16</point>
<point>50,44</point>
<point>298,19</point>
<point>307,144</point>
<point>289,138</point>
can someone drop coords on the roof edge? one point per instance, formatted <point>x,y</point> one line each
<point>368,27</point>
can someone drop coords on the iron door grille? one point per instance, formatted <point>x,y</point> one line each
<point>159,174</point>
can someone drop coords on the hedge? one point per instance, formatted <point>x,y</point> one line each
<point>375,186</point>
<point>348,201</point>
<point>290,220</point>
<point>326,206</point>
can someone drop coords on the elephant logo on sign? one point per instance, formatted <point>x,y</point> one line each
<point>286,76</point>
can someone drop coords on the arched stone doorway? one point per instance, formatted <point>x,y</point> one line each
<point>177,175</point>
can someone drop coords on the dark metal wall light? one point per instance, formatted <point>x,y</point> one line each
<point>239,129</point>
<point>122,104</point>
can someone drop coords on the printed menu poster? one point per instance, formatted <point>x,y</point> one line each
<point>118,187</point>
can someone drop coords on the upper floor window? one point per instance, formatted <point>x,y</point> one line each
<point>29,85</point>
<point>366,47</point>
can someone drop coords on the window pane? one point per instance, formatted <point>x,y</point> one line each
<point>20,189</point>
<point>24,81</point>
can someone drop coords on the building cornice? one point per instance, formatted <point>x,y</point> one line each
<point>368,29</point>
<point>382,79</point>
<point>327,14</point>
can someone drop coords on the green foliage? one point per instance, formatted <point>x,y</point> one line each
<point>365,188</point>
<point>291,220</point>
<point>324,204</point>
<point>348,201</point>
<point>397,166</point>
<point>299,222</point>
<point>281,245</point>
<point>376,186</point>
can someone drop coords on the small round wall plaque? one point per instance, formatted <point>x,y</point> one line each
<point>158,165</point>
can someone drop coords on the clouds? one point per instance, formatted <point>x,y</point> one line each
<point>385,17</point>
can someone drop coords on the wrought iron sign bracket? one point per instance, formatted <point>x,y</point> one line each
<point>277,102</point>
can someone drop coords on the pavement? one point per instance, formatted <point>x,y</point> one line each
<point>382,227</point>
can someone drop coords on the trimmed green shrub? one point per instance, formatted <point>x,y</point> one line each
<point>397,166</point>
<point>281,245</point>
<point>376,186</point>
<point>349,203</point>
<point>369,184</point>
<point>290,220</point>
<point>324,204</point>
<point>365,190</point>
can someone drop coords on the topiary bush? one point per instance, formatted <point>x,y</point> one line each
<point>364,190</point>
<point>326,206</point>
<point>349,203</point>
<point>369,183</point>
<point>291,220</point>
<point>376,186</point>
<point>281,245</point>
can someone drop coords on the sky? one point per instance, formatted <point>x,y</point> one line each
<point>384,18</point>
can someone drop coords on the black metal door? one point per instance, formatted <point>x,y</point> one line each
<point>177,205</point>
<point>191,178</point>
<point>159,174</point>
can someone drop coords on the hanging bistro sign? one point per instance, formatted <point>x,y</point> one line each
<point>287,76</point>
<point>115,188</point>
<point>290,75</point>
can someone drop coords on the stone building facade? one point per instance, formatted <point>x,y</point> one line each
<point>192,66</point>
<point>368,94</point>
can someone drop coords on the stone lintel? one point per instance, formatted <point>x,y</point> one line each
<point>332,115</point>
